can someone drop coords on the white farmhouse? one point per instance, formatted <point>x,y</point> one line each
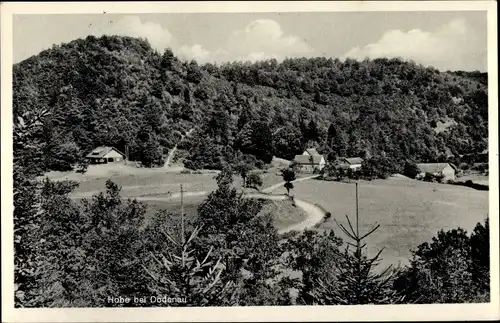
<point>104,155</point>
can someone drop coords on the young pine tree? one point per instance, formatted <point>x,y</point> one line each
<point>358,281</point>
<point>178,271</point>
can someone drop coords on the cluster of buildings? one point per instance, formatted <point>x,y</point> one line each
<point>447,170</point>
<point>310,159</point>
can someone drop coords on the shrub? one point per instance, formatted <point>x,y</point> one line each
<point>254,180</point>
<point>295,165</point>
<point>429,177</point>
<point>411,169</point>
<point>453,268</point>
<point>377,168</point>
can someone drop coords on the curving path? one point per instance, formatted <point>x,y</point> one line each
<point>276,186</point>
<point>315,214</point>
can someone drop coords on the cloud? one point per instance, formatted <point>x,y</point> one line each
<point>264,39</point>
<point>448,47</point>
<point>261,39</point>
<point>196,52</point>
<point>159,37</point>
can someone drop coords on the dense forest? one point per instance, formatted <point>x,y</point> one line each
<point>118,91</point>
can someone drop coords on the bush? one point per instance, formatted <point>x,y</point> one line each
<point>254,180</point>
<point>480,167</point>
<point>464,166</point>
<point>295,165</point>
<point>377,168</point>
<point>411,169</point>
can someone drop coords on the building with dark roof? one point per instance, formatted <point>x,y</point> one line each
<point>351,162</point>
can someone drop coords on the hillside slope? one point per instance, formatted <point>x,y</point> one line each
<point>118,91</point>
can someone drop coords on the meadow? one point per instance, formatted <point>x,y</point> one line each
<point>409,212</point>
<point>137,182</point>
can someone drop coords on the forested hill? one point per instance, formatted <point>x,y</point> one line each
<point>118,91</point>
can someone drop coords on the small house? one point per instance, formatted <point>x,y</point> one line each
<point>309,162</point>
<point>310,152</point>
<point>105,155</point>
<point>353,163</point>
<point>446,169</point>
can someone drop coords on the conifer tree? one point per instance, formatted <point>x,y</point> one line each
<point>358,281</point>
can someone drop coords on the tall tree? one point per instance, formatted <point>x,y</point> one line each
<point>243,240</point>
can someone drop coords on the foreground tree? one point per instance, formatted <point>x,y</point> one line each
<point>357,281</point>
<point>246,242</point>
<point>27,211</point>
<point>314,254</point>
<point>113,245</point>
<point>453,268</point>
<point>178,271</point>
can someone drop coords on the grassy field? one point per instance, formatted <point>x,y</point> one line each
<point>174,208</point>
<point>149,182</point>
<point>283,212</point>
<point>410,212</point>
<point>476,178</point>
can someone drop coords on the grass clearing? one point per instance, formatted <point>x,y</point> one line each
<point>137,182</point>
<point>475,178</point>
<point>410,212</point>
<point>174,208</point>
<point>283,212</point>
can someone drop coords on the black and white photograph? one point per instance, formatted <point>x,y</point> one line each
<point>179,155</point>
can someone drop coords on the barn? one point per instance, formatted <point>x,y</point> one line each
<point>353,163</point>
<point>105,155</point>
<point>446,169</point>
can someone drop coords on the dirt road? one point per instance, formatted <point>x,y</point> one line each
<point>276,186</point>
<point>315,214</point>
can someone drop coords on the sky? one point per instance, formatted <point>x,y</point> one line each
<point>447,40</point>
